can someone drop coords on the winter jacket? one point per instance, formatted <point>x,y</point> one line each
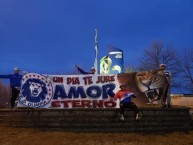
<point>15,79</point>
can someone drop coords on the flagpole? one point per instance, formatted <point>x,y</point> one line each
<point>96,52</point>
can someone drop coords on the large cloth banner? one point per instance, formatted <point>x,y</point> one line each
<point>88,91</point>
<point>68,91</point>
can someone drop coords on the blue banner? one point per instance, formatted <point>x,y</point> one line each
<point>116,55</point>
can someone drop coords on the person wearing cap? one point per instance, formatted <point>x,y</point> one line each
<point>92,70</point>
<point>125,96</point>
<point>15,84</point>
<point>166,99</point>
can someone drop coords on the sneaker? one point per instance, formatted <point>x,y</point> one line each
<point>138,116</point>
<point>121,118</point>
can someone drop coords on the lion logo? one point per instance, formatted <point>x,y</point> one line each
<point>36,90</point>
<point>153,83</point>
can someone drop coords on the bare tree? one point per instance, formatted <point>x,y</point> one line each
<point>186,68</point>
<point>157,54</point>
<point>152,57</point>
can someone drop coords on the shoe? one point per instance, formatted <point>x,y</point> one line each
<point>121,118</point>
<point>138,116</point>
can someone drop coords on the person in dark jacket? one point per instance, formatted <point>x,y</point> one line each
<point>125,96</point>
<point>167,98</point>
<point>15,84</point>
<point>92,70</point>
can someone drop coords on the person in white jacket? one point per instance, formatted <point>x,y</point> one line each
<point>166,100</point>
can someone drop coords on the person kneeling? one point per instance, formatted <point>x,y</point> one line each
<point>125,96</point>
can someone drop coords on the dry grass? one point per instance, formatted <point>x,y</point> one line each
<point>27,136</point>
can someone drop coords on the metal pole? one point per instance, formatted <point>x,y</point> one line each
<point>96,52</point>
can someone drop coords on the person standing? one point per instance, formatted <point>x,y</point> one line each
<point>92,70</point>
<point>125,96</point>
<point>15,84</point>
<point>166,99</point>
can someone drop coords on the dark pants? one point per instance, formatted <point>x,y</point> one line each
<point>165,96</point>
<point>129,105</point>
<point>15,93</point>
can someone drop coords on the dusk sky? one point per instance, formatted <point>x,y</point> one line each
<point>51,36</point>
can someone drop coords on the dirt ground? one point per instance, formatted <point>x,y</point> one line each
<point>28,136</point>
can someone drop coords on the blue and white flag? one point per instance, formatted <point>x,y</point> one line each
<point>116,55</point>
